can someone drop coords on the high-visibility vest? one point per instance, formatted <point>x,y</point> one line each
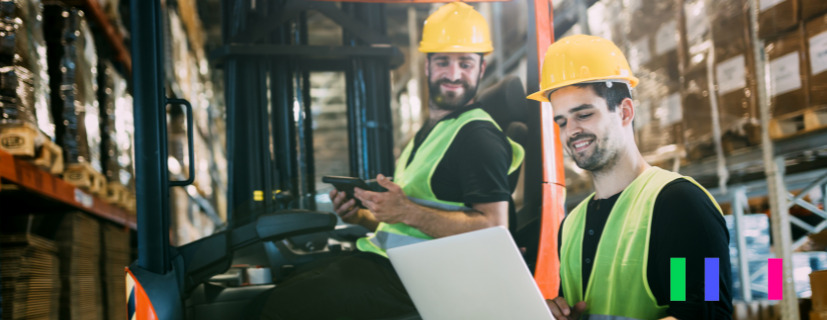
<point>618,287</point>
<point>415,180</point>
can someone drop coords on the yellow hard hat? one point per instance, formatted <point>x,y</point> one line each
<point>582,58</point>
<point>456,27</point>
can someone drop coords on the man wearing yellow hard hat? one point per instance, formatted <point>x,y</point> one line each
<point>451,178</point>
<point>617,245</point>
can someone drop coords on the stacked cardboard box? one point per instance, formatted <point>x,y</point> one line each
<point>654,58</point>
<point>818,282</point>
<point>812,8</point>
<point>115,257</point>
<point>605,22</point>
<point>79,243</point>
<point>816,35</point>
<point>777,16</point>
<point>30,280</point>
<point>697,119</point>
<point>107,78</point>
<point>24,81</point>
<point>72,68</point>
<point>734,76</point>
<point>788,76</point>
<point>116,133</point>
<point>695,43</point>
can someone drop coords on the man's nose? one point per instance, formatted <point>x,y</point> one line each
<point>573,130</point>
<point>454,72</point>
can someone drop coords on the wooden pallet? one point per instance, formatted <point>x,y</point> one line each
<point>21,139</point>
<point>83,176</point>
<point>128,202</point>
<point>26,141</point>
<point>50,157</point>
<point>807,120</point>
<point>115,193</point>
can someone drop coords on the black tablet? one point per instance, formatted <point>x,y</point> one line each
<point>347,184</point>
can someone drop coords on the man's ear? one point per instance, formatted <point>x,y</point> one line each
<point>626,110</point>
<point>427,68</point>
<point>483,64</point>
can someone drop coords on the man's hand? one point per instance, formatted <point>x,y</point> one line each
<point>560,309</point>
<point>350,212</point>
<point>390,206</point>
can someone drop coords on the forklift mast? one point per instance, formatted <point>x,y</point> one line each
<point>260,55</point>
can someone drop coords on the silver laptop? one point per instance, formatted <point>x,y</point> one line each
<point>478,275</point>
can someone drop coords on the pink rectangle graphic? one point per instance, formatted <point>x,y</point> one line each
<point>775,278</point>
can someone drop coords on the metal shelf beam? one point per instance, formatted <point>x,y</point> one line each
<point>29,177</point>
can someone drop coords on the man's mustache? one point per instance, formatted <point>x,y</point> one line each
<point>446,81</point>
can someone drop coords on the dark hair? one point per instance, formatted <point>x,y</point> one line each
<point>613,96</point>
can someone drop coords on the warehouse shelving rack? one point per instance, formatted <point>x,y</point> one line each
<point>113,37</point>
<point>26,186</point>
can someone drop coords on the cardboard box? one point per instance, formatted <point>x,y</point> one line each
<point>655,62</point>
<point>812,8</point>
<point>665,126</point>
<point>818,284</point>
<point>697,120</point>
<point>695,33</point>
<point>664,52</point>
<point>737,102</point>
<point>788,75</point>
<point>730,28</point>
<point>777,16</point>
<point>816,32</point>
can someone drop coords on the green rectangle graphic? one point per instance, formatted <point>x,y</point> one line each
<point>677,286</point>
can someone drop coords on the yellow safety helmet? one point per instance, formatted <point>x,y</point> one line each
<point>582,58</point>
<point>456,27</point>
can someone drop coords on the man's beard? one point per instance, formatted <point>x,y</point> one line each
<point>601,159</point>
<point>449,100</point>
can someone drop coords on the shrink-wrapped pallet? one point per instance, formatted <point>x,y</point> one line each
<point>73,72</point>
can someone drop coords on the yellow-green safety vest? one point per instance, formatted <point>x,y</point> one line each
<point>415,180</point>
<point>618,286</point>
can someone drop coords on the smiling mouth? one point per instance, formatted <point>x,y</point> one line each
<point>581,145</point>
<point>451,86</point>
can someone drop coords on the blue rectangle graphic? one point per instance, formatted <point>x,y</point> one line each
<point>711,269</point>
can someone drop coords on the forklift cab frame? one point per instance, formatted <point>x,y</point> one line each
<point>269,55</point>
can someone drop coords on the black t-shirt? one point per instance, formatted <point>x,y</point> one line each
<point>474,169</point>
<point>685,223</point>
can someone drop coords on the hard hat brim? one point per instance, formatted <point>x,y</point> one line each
<point>478,48</point>
<point>542,95</point>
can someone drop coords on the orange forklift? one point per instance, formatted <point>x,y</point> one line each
<point>266,59</point>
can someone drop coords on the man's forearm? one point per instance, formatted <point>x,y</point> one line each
<point>441,223</point>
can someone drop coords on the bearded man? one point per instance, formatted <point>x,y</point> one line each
<point>450,179</point>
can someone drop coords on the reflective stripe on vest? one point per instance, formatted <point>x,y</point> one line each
<point>618,285</point>
<point>415,179</point>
